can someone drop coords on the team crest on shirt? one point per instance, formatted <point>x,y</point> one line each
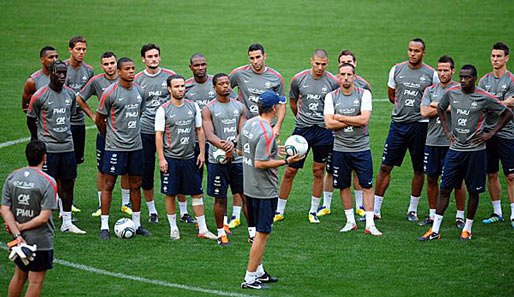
<point>236,112</point>
<point>324,89</point>
<point>504,87</point>
<point>211,93</point>
<point>267,84</point>
<point>163,85</point>
<point>26,173</point>
<point>67,101</point>
<point>356,101</point>
<point>474,104</point>
<point>84,78</point>
<point>190,113</point>
<point>422,79</point>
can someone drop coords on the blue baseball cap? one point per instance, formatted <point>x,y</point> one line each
<point>271,98</point>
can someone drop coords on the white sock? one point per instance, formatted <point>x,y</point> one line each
<point>183,208</point>
<point>369,219</point>
<point>225,220</point>
<point>252,231</point>
<point>125,196</point>
<point>468,225</point>
<point>105,222</point>
<point>437,223</point>
<point>512,211</point>
<point>236,212</point>
<point>350,218</point>
<point>413,206</point>
<point>358,198</point>
<point>99,199</point>
<point>260,271</point>
<point>431,213</point>
<point>378,204</point>
<point>136,217</point>
<point>327,199</point>
<point>314,204</point>
<point>497,207</point>
<point>460,214</point>
<point>281,205</point>
<point>151,207</point>
<point>66,218</point>
<point>202,227</point>
<point>172,219</point>
<point>250,277</point>
<point>61,211</point>
<point>221,232</point>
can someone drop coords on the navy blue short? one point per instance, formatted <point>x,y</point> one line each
<point>100,147</point>
<point>183,177</point>
<point>42,261</point>
<point>220,176</point>
<point>403,136</point>
<point>343,163</point>
<point>149,150</point>
<point>61,165</point>
<point>328,166</point>
<point>434,159</point>
<point>499,148</point>
<point>467,166</point>
<point>121,163</point>
<point>261,212</point>
<point>78,132</point>
<point>319,139</point>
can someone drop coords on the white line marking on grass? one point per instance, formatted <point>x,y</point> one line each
<point>140,279</point>
<point>26,139</point>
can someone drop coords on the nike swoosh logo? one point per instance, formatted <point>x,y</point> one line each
<point>50,102</point>
<point>121,99</point>
<point>246,81</point>
<point>217,114</point>
<point>479,188</point>
<point>511,169</point>
<point>192,94</point>
<point>305,86</point>
<point>401,76</point>
<point>172,116</point>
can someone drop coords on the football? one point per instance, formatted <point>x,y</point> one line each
<point>219,155</point>
<point>296,144</point>
<point>124,228</point>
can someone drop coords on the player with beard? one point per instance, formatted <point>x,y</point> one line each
<point>96,86</point>
<point>437,145</point>
<point>467,158</point>
<point>39,78</point>
<point>118,120</point>
<point>153,82</point>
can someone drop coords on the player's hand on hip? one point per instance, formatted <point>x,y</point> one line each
<point>482,138</point>
<point>163,165</point>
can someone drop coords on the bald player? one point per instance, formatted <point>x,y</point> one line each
<point>407,82</point>
<point>96,86</point>
<point>254,79</point>
<point>307,100</point>
<point>39,78</point>
<point>500,83</point>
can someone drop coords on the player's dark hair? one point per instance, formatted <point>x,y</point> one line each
<point>216,77</point>
<point>501,46</point>
<point>195,56</point>
<point>123,60</point>
<point>76,39</point>
<point>172,77</point>
<point>34,151</point>
<point>264,109</point>
<point>256,47</point>
<point>320,53</point>
<point>420,41</point>
<point>470,67</point>
<point>107,55</point>
<point>149,46</point>
<point>346,52</point>
<point>54,64</point>
<point>44,50</point>
<point>347,65</point>
<point>447,59</point>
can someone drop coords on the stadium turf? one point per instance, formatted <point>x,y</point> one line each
<point>310,260</point>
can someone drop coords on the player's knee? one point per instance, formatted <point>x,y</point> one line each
<point>510,179</point>
<point>135,183</point>
<point>385,169</point>
<point>432,180</point>
<point>290,173</point>
<point>493,177</point>
<point>318,172</point>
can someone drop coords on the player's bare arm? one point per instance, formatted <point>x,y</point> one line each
<point>332,124</point>
<point>28,90</point>
<point>358,121</point>
<point>201,142</point>
<point>100,123</point>
<point>85,107</point>
<point>391,94</point>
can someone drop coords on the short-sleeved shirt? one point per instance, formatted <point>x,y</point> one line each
<point>123,108</point>
<point>28,191</point>
<point>310,96</point>
<point>179,125</point>
<point>40,79</point>
<point>76,78</point>
<point>96,86</point>
<point>468,113</point>
<point>52,111</point>
<point>435,133</point>
<point>502,88</point>
<point>225,120</point>
<point>361,83</point>
<point>258,142</point>
<point>409,85</point>
<point>156,94</point>
<point>251,85</point>
<point>352,138</point>
<point>203,93</point>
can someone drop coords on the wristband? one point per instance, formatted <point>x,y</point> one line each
<point>287,163</point>
<point>16,236</point>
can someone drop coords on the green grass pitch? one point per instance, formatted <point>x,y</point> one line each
<point>309,260</point>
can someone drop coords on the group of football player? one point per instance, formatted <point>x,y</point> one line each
<point>200,121</point>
